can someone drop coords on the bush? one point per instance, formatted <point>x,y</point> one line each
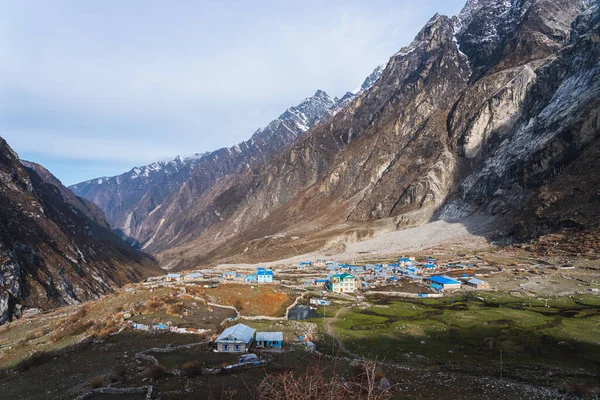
<point>156,372</point>
<point>193,368</point>
<point>118,373</point>
<point>175,309</point>
<point>97,382</point>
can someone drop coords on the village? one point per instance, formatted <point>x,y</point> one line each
<point>222,327</point>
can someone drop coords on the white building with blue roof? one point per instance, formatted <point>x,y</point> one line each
<point>235,339</point>
<point>264,275</point>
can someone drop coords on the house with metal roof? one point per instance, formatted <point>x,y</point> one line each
<point>264,275</point>
<point>341,283</point>
<point>194,276</point>
<point>251,278</point>
<point>235,339</point>
<point>269,340</point>
<point>230,275</point>
<point>477,283</point>
<point>445,281</point>
<point>173,277</point>
<point>304,264</point>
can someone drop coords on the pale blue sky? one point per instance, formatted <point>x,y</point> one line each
<point>94,88</point>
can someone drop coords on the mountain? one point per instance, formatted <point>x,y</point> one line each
<point>144,203</point>
<point>493,111</point>
<point>55,248</point>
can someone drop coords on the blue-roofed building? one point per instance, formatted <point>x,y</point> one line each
<point>435,286</point>
<point>251,278</point>
<point>194,276</point>
<point>230,275</point>
<point>264,275</point>
<point>405,261</point>
<point>269,340</point>
<point>304,264</point>
<point>430,266</point>
<point>478,283</point>
<point>356,268</point>
<point>445,281</point>
<point>321,280</point>
<point>235,339</point>
<point>173,277</point>
<point>332,268</point>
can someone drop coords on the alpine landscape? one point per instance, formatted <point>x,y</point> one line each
<point>432,234</point>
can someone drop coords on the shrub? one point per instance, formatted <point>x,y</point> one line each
<point>175,309</point>
<point>193,368</point>
<point>118,373</point>
<point>97,382</point>
<point>156,372</point>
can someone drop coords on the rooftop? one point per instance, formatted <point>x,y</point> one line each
<point>269,336</point>
<point>237,332</point>
<point>443,280</point>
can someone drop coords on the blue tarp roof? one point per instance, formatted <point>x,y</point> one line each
<point>443,280</point>
<point>436,286</point>
<point>269,336</point>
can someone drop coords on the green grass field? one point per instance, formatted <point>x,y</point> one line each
<point>474,328</point>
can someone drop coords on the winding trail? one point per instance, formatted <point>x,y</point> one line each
<point>338,340</point>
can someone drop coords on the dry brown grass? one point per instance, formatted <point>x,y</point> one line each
<point>262,300</point>
<point>175,309</point>
<point>315,383</point>
<point>192,368</point>
<point>97,382</point>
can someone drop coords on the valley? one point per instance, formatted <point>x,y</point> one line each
<point>432,234</point>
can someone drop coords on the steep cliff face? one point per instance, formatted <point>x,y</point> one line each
<point>494,111</point>
<point>55,249</point>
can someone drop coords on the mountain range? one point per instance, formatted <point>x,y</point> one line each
<point>493,112</point>
<point>485,112</point>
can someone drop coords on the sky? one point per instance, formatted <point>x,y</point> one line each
<point>94,88</point>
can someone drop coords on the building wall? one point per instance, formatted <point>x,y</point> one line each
<point>232,347</point>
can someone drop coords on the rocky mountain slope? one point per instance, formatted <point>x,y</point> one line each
<point>144,203</point>
<point>55,248</point>
<point>494,111</point>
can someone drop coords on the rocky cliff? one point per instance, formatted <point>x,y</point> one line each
<point>55,248</point>
<point>145,203</point>
<point>493,111</point>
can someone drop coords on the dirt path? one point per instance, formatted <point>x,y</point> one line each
<point>338,340</point>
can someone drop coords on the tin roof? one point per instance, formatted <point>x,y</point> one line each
<point>269,336</point>
<point>475,281</point>
<point>443,280</point>
<point>237,332</point>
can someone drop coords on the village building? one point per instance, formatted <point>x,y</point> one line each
<point>304,264</point>
<point>269,340</point>
<point>251,278</point>
<point>229,275</point>
<point>342,283</point>
<point>173,277</point>
<point>405,261</point>
<point>477,283</point>
<point>319,302</point>
<point>194,276</point>
<point>235,339</point>
<point>443,282</point>
<point>264,275</point>
<point>320,264</point>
